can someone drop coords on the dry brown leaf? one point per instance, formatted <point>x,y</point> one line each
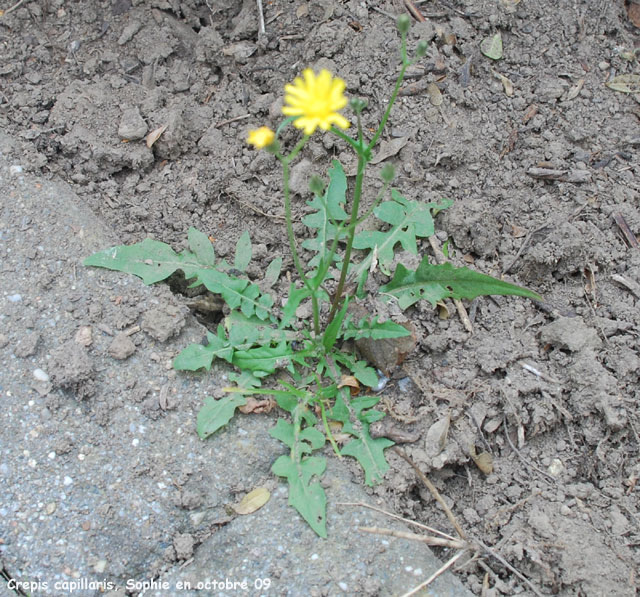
<point>484,460</point>
<point>517,231</point>
<point>443,310</point>
<point>154,135</point>
<point>531,111</point>
<point>253,501</point>
<point>435,96</point>
<point>437,434</point>
<point>574,91</point>
<point>351,382</point>
<point>388,149</point>
<point>257,407</point>
<point>506,83</point>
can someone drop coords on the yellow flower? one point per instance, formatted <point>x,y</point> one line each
<point>315,101</point>
<point>261,138</point>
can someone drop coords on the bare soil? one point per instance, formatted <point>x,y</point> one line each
<point>550,390</point>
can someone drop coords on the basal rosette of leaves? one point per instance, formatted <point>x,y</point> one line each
<point>260,341</point>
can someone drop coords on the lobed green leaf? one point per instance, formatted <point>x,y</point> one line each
<point>217,413</point>
<point>436,282</point>
<point>307,497</point>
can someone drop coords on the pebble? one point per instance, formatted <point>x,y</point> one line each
<point>15,169</point>
<point>132,125</point>
<point>67,480</point>
<point>14,298</point>
<point>40,375</point>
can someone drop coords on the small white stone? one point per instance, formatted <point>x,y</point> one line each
<point>81,457</point>
<point>32,463</point>
<point>343,586</point>
<point>40,375</point>
<point>14,298</point>
<point>51,455</point>
<point>15,169</point>
<point>314,556</point>
<point>135,442</point>
<point>417,572</point>
<point>67,480</point>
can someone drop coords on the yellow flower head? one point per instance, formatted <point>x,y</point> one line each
<point>315,100</point>
<point>261,138</point>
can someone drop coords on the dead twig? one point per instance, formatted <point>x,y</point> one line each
<point>509,567</point>
<point>521,457</point>
<point>262,30</point>
<point>462,312</point>
<point>414,11</point>
<point>257,210</point>
<point>628,234</point>
<point>14,7</point>
<point>392,515</point>
<point>575,176</point>
<point>435,541</point>
<point>630,285</point>
<point>436,494</point>
<point>230,120</point>
<point>437,573</point>
<point>523,246</point>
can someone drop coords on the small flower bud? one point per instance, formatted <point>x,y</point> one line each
<point>403,23</point>
<point>387,173</point>
<point>357,105</point>
<point>422,48</point>
<point>316,185</point>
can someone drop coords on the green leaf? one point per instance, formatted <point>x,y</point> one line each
<point>201,246</point>
<point>264,358</point>
<point>369,453</point>
<point>217,413</point>
<point>243,252</point>
<point>296,296</point>
<point>408,219</point>
<point>362,371</point>
<point>154,261</point>
<point>491,47</point>
<point>198,356</point>
<point>243,330</point>
<point>329,211</point>
<point>374,329</point>
<point>333,329</point>
<point>273,273</point>
<point>307,497</point>
<point>150,260</point>
<point>309,438</point>
<point>238,293</point>
<point>437,282</point>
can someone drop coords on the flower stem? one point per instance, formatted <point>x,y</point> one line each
<point>285,161</point>
<point>351,230</point>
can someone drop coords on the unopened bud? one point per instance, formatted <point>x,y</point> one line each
<point>387,173</point>
<point>403,22</point>
<point>357,105</point>
<point>422,48</point>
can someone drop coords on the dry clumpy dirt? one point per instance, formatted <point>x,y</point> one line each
<point>551,390</point>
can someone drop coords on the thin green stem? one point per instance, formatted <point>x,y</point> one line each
<point>285,161</point>
<point>327,430</point>
<point>351,230</point>
<point>387,112</point>
<point>346,138</point>
<point>375,203</point>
